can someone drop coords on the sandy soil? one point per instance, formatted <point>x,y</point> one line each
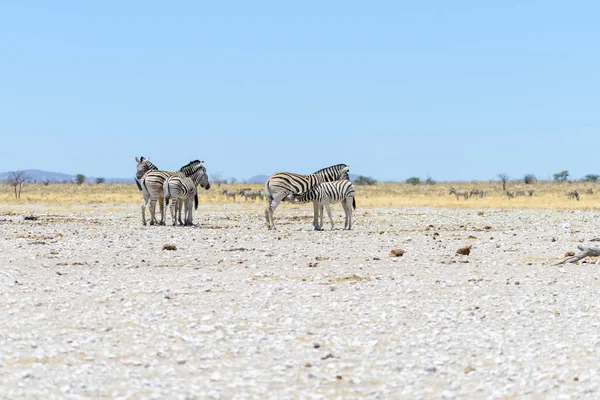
<point>93,306</point>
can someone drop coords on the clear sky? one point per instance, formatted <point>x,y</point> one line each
<point>459,90</point>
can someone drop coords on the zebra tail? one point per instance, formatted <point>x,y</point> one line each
<point>167,195</point>
<point>137,182</point>
<point>354,203</point>
<point>196,201</point>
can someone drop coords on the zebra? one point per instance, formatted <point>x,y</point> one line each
<point>281,185</point>
<point>520,193</point>
<point>228,194</point>
<point>325,194</point>
<point>510,194</point>
<point>184,189</point>
<point>248,194</point>
<point>573,194</point>
<point>459,193</point>
<point>530,192</point>
<point>151,180</point>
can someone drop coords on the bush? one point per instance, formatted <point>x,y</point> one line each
<point>591,178</point>
<point>100,180</point>
<point>529,179</point>
<point>365,180</point>
<point>413,180</point>
<point>79,179</point>
<point>562,176</point>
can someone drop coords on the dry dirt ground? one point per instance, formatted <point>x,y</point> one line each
<point>92,306</point>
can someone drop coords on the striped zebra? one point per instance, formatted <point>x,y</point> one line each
<point>325,194</point>
<point>151,181</point>
<point>183,189</point>
<point>459,193</point>
<point>281,185</point>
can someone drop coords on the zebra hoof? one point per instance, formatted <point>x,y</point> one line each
<point>151,222</point>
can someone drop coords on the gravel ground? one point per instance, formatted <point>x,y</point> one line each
<point>93,306</point>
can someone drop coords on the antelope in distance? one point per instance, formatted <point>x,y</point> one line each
<point>459,193</point>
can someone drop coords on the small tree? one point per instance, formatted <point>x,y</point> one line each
<point>16,179</point>
<point>217,178</point>
<point>591,178</point>
<point>413,180</point>
<point>232,180</point>
<point>429,180</point>
<point>562,176</point>
<point>79,179</point>
<point>504,178</point>
<point>46,182</point>
<point>365,180</point>
<point>530,179</point>
<point>100,180</point>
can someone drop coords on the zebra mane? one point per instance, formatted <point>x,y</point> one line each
<point>336,167</point>
<point>192,165</point>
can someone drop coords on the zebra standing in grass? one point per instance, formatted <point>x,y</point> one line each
<point>325,194</point>
<point>151,180</point>
<point>459,193</point>
<point>183,189</point>
<point>281,185</point>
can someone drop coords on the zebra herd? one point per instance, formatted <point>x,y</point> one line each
<point>324,187</point>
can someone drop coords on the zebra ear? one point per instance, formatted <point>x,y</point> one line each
<point>138,160</point>
<point>346,169</point>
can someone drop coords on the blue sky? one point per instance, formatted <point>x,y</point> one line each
<point>458,90</point>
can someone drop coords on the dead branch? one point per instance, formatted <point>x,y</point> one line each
<point>585,252</point>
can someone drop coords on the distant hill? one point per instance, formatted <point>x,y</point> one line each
<point>258,179</point>
<point>39,176</point>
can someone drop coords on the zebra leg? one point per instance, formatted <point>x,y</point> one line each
<point>347,204</point>
<point>161,205</point>
<point>179,209</point>
<point>152,211</point>
<point>316,208</point>
<point>173,208</point>
<point>273,203</point>
<point>328,207</point>
<point>144,204</point>
<point>188,212</point>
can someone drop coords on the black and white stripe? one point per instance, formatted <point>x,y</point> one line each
<point>182,189</point>
<point>152,182</point>
<point>327,193</point>
<point>282,185</point>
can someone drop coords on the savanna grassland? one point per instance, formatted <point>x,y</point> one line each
<point>547,195</point>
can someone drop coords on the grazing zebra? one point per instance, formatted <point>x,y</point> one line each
<point>510,194</point>
<point>228,194</point>
<point>248,194</point>
<point>520,193</point>
<point>281,185</point>
<point>325,194</point>
<point>260,194</point>
<point>573,194</point>
<point>184,189</point>
<point>530,192</point>
<point>151,180</point>
<point>459,193</point>
<point>590,191</point>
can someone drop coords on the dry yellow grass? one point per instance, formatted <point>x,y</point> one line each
<point>546,195</point>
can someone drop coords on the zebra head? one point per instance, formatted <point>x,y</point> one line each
<point>196,170</point>
<point>143,165</point>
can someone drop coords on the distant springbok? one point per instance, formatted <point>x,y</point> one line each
<point>459,193</point>
<point>573,194</point>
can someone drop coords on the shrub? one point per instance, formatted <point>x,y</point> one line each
<point>413,180</point>
<point>100,180</point>
<point>562,176</point>
<point>591,178</point>
<point>529,179</point>
<point>79,179</point>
